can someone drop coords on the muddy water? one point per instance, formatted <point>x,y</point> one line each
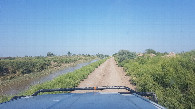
<point>24,85</point>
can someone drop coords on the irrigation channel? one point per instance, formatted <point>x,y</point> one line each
<point>22,86</point>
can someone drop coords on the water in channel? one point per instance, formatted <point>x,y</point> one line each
<point>15,89</point>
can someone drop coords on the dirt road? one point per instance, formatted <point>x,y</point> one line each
<point>107,74</point>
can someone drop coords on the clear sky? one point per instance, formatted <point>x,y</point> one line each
<point>35,27</point>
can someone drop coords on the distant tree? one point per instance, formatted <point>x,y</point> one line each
<point>69,54</point>
<point>125,55</point>
<point>165,53</point>
<point>159,54</point>
<point>106,55</point>
<point>101,56</point>
<point>50,54</point>
<point>149,51</point>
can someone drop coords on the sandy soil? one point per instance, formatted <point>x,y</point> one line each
<point>107,74</point>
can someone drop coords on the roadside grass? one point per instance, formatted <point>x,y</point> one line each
<point>68,80</point>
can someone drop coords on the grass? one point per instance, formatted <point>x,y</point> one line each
<point>69,80</point>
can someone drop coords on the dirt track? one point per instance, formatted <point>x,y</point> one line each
<point>107,74</point>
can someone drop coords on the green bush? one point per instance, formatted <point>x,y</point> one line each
<point>171,78</point>
<point>123,55</point>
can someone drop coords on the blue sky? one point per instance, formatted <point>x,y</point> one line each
<point>35,27</point>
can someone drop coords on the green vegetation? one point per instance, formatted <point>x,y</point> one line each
<point>15,70</point>
<point>69,80</point>
<point>123,55</point>
<point>149,51</point>
<point>26,65</point>
<point>50,54</point>
<point>69,54</point>
<point>171,78</point>
<point>102,56</point>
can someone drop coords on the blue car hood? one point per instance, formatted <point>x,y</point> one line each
<point>92,100</point>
